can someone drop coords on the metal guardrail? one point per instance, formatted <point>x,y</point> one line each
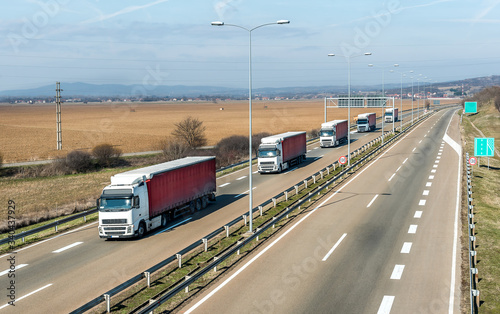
<point>54,224</point>
<point>106,297</point>
<point>473,271</point>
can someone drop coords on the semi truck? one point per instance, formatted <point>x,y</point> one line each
<point>391,115</point>
<point>140,200</point>
<point>279,152</point>
<point>367,122</point>
<point>333,133</point>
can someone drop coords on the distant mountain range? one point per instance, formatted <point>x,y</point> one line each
<point>76,90</point>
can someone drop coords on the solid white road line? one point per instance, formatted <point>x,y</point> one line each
<point>418,214</point>
<point>25,296</point>
<point>171,227</point>
<point>241,178</point>
<point>406,248</point>
<point>334,247</point>
<point>421,202</point>
<point>245,192</point>
<point>373,200</point>
<point>386,305</point>
<point>412,229</point>
<point>16,269</point>
<point>223,185</point>
<point>67,247</point>
<point>397,272</point>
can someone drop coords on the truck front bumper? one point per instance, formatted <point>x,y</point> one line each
<point>116,231</point>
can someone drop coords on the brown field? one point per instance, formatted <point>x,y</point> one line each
<point>28,132</point>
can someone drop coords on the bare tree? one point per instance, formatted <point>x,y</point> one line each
<point>191,131</point>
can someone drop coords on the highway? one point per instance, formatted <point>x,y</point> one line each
<point>383,242</point>
<point>77,266</point>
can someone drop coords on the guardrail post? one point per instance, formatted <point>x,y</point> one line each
<point>107,298</point>
<point>475,295</point>
<point>305,183</point>
<point>85,218</point>
<point>227,231</point>
<point>286,196</point>
<point>179,258</point>
<point>215,267</point>
<point>148,278</point>
<point>238,242</point>
<point>260,210</point>
<point>274,201</point>
<point>475,274</point>
<point>474,256</point>
<point>473,241</point>
<point>151,301</point>
<point>314,178</point>
<point>245,218</point>
<point>186,290</point>
<point>321,174</point>
<point>287,212</point>
<point>205,243</point>
<point>333,167</point>
<point>57,222</point>
<point>296,189</point>
<point>274,218</point>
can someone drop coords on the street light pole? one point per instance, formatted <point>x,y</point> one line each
<point>348,57</point>
<point>250,181</point>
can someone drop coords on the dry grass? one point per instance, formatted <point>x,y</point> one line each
<point>28,131</point>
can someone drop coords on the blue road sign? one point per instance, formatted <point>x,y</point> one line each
<point>470,107</point>
<point>484,146</point>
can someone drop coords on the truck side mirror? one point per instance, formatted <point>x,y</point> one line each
<point>136,201</point>
<point>98,203</point>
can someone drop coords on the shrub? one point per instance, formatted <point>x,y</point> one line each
<point>173,149</point>
<point>1,160</point>
<point>313,133</point>
<point>78,161</point>
<point>106,154</point>
<point>231,149</point>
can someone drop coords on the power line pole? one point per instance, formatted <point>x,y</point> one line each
<point>58,115</point>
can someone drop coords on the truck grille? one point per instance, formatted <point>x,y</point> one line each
<point>115,233</point>
<point>267,163</point>
<point>327,143</point>
<point>114,221</point>
<point>114,228</point>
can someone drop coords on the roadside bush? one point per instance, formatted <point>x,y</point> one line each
<point>78,161</point>
<point>191,131</point>
<point>1,160</point>
<point>232,149</point>
<point>106,155</point>
<point>497,102</point>
<point>173,148</point>
<point>313,133</point>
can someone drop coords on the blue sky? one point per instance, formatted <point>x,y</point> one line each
<point>171,42</point>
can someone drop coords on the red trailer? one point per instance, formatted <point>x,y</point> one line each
<point>278,152</point>
<point>139,200</point>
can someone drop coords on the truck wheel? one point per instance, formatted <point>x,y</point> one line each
<point>198,204</point>
<point>212,197</point>
<point>164,220</point>
<point>142,230</point>
<point>204,202</point>
<point>192,207</point>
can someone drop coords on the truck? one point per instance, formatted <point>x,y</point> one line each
<point>279,152</point>
<point>391,115</point>
<point>333,133</point>
<point>140,200</point>
<point>366,122</point>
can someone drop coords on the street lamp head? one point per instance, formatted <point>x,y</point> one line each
<point>396,65</point>
<point>283,22</point>
<point>370,65</point>
<point>368,53</point>
<point>217,23</point>
<point>331,55</point>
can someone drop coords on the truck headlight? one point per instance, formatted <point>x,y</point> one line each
<point>130,229</point>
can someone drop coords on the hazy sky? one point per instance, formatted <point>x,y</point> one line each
<point>171,42</point>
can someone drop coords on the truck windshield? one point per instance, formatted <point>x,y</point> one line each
<point>362,121</point>
<point>326,133</point>
<point>265,153</point>
<point>115,204</point>
<point>388,114</point>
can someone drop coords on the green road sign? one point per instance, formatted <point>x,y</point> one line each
<point>484,146</point>
<point>436,102</point>
<point>470,107</point>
